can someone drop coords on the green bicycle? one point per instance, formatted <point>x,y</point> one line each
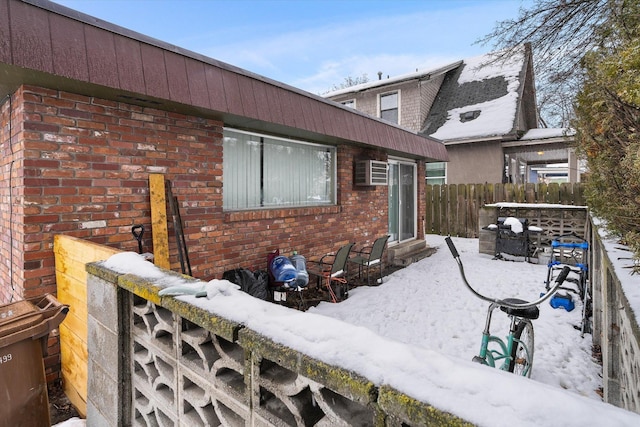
<point>515,354</point>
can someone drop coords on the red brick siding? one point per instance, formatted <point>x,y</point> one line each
<point>80,166</point>
<point>85,174</point>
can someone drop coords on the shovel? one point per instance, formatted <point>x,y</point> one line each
<point>138,231</point>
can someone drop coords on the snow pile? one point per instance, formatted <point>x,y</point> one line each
<point>419,330</point>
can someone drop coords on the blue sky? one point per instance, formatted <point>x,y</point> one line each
<point>314,44</point>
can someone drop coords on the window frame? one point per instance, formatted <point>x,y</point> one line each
<point>397,108</point>
<point>439,177</point>
<point>349,101</point>
<point>333,165</point>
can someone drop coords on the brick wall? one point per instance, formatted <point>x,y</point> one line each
<point>80,166</point>
<point>85,173</point>
<point>11,208</point>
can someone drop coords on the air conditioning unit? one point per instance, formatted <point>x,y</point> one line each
<point>371,172</point>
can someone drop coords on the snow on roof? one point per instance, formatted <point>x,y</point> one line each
<point>547,133</point>
<point>396,79</point>
<point>496,116</point>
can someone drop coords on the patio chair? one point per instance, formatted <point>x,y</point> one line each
<point>331,269</point>
<point>370,256</point>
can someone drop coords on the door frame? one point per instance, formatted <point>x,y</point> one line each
<point>408,162</point>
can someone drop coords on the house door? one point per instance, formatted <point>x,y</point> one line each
<point>402,201</point>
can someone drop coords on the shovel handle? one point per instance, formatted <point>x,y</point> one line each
<point>138,231</point>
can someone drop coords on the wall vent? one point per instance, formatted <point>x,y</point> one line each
<point>371,172</point>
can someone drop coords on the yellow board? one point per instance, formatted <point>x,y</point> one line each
<point>71,257</point>
<point>159,221</point>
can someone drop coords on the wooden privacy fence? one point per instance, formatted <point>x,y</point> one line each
<point>452,209</point>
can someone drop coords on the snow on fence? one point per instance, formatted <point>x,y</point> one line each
<point>157,360</point>
<point>616,306</point>
<point>453,209</point>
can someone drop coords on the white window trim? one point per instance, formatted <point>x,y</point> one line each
<point>379,102</point>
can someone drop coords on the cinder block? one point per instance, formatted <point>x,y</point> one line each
<point>102,301</point>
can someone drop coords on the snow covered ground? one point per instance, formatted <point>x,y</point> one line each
<point>418,331</point>
<point>427,305</point>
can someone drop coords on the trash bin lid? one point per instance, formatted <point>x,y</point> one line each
<point>17,320</point>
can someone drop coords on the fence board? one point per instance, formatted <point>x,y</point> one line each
<point>454,209</point>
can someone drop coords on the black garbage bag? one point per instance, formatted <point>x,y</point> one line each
<point>255,284</point>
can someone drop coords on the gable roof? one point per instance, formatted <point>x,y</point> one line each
<point>45,44</point>
<point>480,99</point>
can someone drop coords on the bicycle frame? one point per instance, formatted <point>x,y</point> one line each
<point>504,353</point>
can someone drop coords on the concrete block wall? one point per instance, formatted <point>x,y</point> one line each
<point>163,361</point>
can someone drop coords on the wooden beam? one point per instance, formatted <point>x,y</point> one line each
<point>159,221</point>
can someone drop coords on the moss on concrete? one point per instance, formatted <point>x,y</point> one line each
<point>415,412</point>
<point>340,380</point>
<point>209,321</point>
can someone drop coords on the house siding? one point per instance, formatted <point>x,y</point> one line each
<point>475,163</point>
<point>81,167</point>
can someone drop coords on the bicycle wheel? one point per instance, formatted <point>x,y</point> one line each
<point>522,350</point>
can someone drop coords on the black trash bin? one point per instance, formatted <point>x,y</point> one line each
<point>24,329</point>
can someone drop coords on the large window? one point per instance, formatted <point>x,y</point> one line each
<point>262,171</point>
<point>436,173</point>
<point>389,107</point>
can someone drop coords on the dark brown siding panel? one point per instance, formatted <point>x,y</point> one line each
<point>305,111</point>
<point>273,104</point>
<point>215,86</point>
<point>262,100</point>
<point>327,120</point>
<point>298,117</point>
<point>338,121</point>
<point>232,92</point>
<point>129,64</point>
<point>31,40</point>
<point>288,111</point>
<point>317,119</point>
<point>197,83</point>
<point>155,72</point>
<point>248,100</point>
<point>177,77</point>
<point>352,131</point>
<point>101,56</point>
<point>5,36</point>
<point>69,53</point>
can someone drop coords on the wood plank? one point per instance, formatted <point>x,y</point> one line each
<point>71,256</point>
<point>452,207</point>
<point>437,210</point>
<point>428,215</point>
<point>159,221</point>
<point>81,250</point>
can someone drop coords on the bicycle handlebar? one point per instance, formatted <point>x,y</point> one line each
<point>559,280</point>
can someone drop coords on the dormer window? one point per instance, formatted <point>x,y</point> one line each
<point>467,116</point>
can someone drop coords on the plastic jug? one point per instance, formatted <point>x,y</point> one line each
<point>300,264</point>
<point>282,269</point>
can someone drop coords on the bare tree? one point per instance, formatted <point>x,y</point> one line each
<point>560,33</point>
<point>350,81</point>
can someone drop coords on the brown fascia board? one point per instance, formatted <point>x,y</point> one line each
<point>116,63</point>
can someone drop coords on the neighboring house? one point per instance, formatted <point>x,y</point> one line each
<point>484,112</point>
<point>88,110</point>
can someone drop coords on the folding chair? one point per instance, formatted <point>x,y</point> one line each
<point>330,269</point>
<point>370,256</point>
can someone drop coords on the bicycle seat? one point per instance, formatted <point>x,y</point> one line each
<point>526,313</point>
